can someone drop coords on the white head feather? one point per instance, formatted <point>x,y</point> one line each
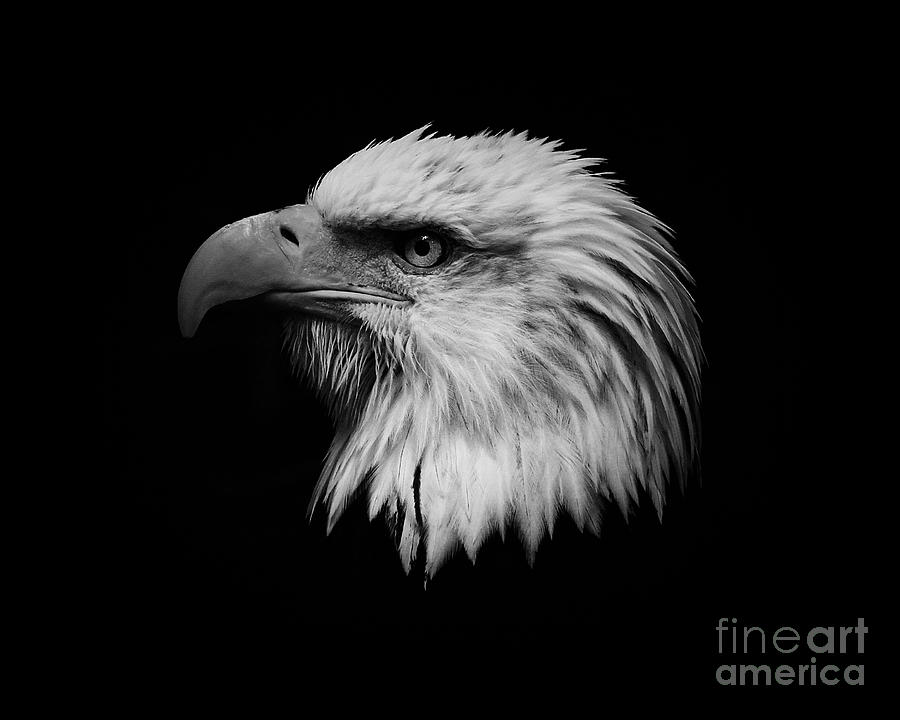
<point>555,362</point>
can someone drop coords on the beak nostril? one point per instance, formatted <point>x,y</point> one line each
<point>288,235</point>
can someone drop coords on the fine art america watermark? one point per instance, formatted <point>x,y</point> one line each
<point>825,655</point>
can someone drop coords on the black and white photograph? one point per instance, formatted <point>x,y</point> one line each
<point>482,375</point>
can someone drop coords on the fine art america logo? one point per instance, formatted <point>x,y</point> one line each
<point>823,654</point>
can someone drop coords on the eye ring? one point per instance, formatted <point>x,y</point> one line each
<point>423,250</point>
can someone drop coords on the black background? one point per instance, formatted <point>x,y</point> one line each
<point>214,450</point>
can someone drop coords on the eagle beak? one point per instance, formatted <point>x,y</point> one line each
<point>286,255</point>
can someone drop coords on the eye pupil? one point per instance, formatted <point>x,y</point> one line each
<point>422,247</point>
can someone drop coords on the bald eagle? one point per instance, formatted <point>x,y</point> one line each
<point>499,333</point>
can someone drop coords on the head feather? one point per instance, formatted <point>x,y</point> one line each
<point>555,363</point>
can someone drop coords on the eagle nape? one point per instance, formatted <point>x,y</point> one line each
<point>499,334</point>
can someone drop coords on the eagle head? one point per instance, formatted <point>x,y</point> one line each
<point>500,335</point>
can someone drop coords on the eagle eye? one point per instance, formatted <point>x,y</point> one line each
<point>423,250</point>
